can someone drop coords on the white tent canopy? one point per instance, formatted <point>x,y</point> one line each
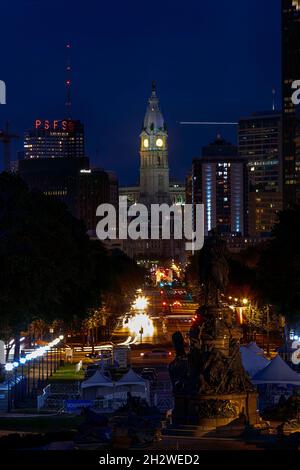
<point>98,379</point>
<point>252,346</point>
<point>277,372</point>
<point>252,362</point>
<point>131,378</point>
<point>133,383</point>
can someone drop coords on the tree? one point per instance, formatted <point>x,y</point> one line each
<point>49,268</point>
<point>279,266</point>
<point>124,276</point>
<point>242,274</point>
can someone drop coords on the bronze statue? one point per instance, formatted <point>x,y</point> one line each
<point>213,268</point>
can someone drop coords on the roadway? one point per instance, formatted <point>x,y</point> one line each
<point>169,312</point>
<point>165,314</point>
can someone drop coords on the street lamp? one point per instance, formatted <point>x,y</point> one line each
<point>141,303</point>
<point>9,367</point>
<point>22,362</point>
<point>16,365</point>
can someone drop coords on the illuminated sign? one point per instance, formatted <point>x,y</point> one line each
<point>62,125</point>
<point>2,92</point>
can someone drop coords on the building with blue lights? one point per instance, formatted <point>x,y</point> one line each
<point>219,181</point>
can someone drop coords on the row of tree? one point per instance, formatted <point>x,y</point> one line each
<point>268,274</point>
<point>49,268</point>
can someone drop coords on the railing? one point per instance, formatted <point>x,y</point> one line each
<point>41,399</point>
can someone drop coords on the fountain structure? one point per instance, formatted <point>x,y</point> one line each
<point>210,386</point>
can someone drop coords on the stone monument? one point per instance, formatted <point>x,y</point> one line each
<point>210,385</point>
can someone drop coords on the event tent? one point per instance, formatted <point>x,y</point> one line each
<point>133,383</point>
<point>98,379</point>
<point>131,378</point>
<point>252,363</point>
<point>252,346</point>
<point>277,372</point>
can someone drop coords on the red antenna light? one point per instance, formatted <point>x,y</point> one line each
<point>68,103</point>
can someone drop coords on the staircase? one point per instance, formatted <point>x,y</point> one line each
<point>183,430</point>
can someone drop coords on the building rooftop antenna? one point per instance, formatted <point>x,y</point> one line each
<point>273,98</point>
<point>68,103</point>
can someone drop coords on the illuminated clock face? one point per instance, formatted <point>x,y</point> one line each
<point>159,142</point>
<point>146,143</point>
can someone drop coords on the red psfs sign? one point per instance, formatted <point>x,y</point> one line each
<point>63,125</point>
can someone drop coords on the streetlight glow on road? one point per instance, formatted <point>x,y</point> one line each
<point>141,322</point>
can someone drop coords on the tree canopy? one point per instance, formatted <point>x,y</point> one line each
<point>279,265</point>
<point>50,269</point>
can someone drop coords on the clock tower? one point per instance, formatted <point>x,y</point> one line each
<point>154,167</point>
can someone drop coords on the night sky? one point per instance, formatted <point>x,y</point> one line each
<point>212,60</point>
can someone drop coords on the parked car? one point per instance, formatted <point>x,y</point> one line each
<point>92,355</point>
<point>156,353</point>
<point>149,373</point>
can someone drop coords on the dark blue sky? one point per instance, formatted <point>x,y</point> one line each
<point>212,60</point>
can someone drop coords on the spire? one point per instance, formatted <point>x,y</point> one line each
<point>153,120</point>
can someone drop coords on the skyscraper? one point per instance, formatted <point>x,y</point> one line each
<point>260,143</point>
<point>52,139</point>
<point>219,182</point>
<point>290,73</point>
<point>72,181</point>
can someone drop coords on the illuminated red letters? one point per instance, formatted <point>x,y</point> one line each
<point>56,124</point>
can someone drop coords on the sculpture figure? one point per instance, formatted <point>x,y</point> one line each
<point>213,268</point>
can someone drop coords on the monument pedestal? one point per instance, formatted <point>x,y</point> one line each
<point>213,411</point>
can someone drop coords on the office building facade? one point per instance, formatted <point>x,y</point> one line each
<point>219,182</point>
<point>53,139</point>
<point>260,144</point>
<point>290,73</point>
<point>72,181</point>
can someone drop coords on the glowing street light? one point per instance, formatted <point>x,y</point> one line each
<point>141,303</point>
<point>141,323</point>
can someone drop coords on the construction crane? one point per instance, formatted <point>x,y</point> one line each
<point>6,137</point>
